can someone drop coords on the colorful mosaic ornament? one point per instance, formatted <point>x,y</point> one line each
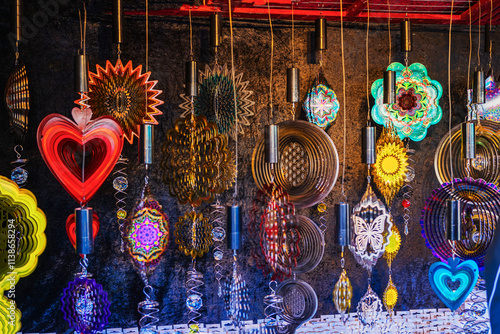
<point>85,305</point>
<point>193,234</point>
<point>480,203</point>
<point>372,228</point>
<point>342,294</point>
<point>126,94</point>
<point>390,168</point>
<point>444,276</point>
<point>491,109</point>
<point>417,102</point>
<point>215,100</point>
<point>146,232</point>
<point>196,161</point>
<point>321,105</point>
<point>10,316</point>
<point>19,212</point>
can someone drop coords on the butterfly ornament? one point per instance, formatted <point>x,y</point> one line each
<point>372,228</point>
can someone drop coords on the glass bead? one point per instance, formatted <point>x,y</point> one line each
<point>218,255</point>
<point>406,203</point>
<point>321,207</point>
<point>479,163</point>
<point>218,233</point>
<point>121,214</point>
<point>120,183</point>
<point>194,302</point>
<point>19,175</point>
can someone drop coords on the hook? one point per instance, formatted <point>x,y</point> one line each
<point>16,148</point>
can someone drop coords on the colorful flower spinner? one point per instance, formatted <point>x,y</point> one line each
<point>491,109</point>
<point>126,94</point>
<point>85,305</point>
<point>147,232</point>
<point>417,102</point>
<point>321,104</point>
<point>216,100</point>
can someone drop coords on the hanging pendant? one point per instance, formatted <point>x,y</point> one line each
<point>342,294</point>
<point>369,308</point>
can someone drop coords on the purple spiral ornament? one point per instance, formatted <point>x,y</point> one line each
<point>480,212</point>
<point>85,305</point>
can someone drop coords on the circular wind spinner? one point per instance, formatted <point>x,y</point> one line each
<point>215,100</point>
<point>321,104</point>
<point>480,203</point>
<point>308,166</point>
<point>126,94</point>
<point>193,234</point>
<point>196,162</point>
<point>483,166</point>
<point>390,168</point>
<point>417,102</point>
<point>372,227</point>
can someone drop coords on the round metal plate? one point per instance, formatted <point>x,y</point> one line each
<point>311,245</point>
<point>308,166</point>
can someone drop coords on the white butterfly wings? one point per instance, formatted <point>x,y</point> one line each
<point>369,233</point>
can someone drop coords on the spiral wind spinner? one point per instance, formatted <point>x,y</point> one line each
<point>407,190</point>
<point>218,236</point>
<point>274,308</point>
<point>120,184</point>
<point>342,293</point>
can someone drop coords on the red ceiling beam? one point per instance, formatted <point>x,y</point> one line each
<point>356,8</point>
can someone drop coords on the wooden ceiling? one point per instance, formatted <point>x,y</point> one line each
<point>419,11</point>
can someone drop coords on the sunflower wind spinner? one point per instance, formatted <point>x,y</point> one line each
<point>215,100</point>
<point>126,94</point>
<point>390,168</point>
<point>321,105</point>
<point>391,250</point>
<point>417,102</point>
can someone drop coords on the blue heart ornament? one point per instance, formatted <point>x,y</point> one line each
<point>453,281</point>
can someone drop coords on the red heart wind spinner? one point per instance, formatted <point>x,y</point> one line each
<point>80,154</point>
<point>71,227</point>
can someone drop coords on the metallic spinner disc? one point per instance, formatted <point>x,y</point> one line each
<point>300,301</point>
<point>308,166</point>
<point>311,245</point>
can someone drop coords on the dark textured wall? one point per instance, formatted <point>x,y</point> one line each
<point>48,58</point>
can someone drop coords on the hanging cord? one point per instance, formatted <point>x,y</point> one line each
<point>449,95</point>
<point>470,53</point>
<point>491,18</point>
<point>235,103</point>
<point>293,38</point>
<point>83,28</point>
<point>191,55</point>
<point>479,39</point>
<point>343,97</point>
<point>389,29</point>
<point>147,38</point>
<point>272,57</point>
<point>367,59</point>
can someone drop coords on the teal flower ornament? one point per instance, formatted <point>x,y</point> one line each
<point>417,102</point>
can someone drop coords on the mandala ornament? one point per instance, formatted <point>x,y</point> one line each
<point>390,168</point>
<point>193,234</point>
<point>215,100</point>
<point>342,294</point>
<point>85,305</point>
<point>372,226</point>
<point>417,102</point>
<point>480,203</point>
<point>321,105</point>
<point>491,109</point>
<point>196,161</point>
<point>126,94</point>
<point>147,233</point>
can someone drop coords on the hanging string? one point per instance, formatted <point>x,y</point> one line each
<point>293,39</point>
<point>449,94</point>
<point>470,50</point>
<point>235,102</point>
<point>389,28</point>
<point>367,64</point>
<point>190,35</point>
<point>83,28</point>
<point>491,18</point>
<point>479,38</point>
<point>272,56</point>
<point>343,96</point>
<point>147,36</point>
